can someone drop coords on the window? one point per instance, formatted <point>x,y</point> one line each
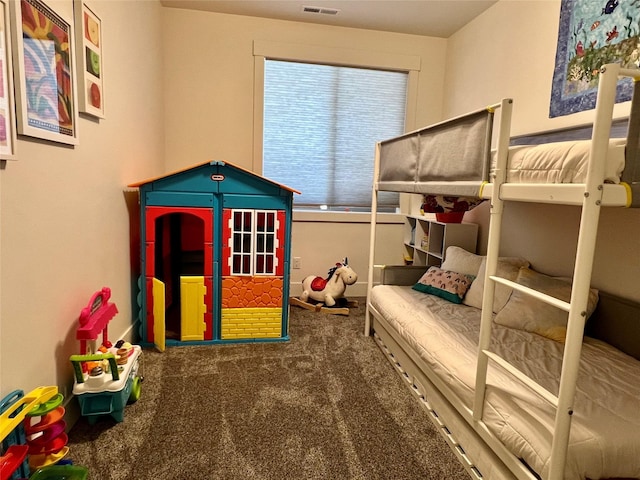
<point>254,243</point>
<point>320,127</point>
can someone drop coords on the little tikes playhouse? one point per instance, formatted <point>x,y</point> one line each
<point>215,249</point>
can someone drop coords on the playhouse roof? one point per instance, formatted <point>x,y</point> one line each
<point>213,163</point>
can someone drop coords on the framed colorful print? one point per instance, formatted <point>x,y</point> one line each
<point>8,141</point>
<point>44,75</point>
<point>592,34</point>
<point>89,60</point>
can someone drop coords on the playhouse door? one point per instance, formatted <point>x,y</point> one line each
<point>192,308</point>
<point>158,315</point>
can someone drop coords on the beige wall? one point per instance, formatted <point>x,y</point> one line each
<point>209,71</point>
<point>509,51</point>
<point>65,224</point>
<point>179,91</point>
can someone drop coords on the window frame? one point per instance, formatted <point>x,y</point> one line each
<point>267,50</point>
<point>246,246</point>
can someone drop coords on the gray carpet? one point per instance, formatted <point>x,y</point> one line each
<point>325,405</point>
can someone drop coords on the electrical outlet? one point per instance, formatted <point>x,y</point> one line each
<point>297,262</point>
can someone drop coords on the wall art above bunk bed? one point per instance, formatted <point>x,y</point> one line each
<point>522,371</point>
<point>592,34</point>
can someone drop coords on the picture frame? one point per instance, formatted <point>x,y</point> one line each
<point>591,34</point>
<point>89,59</point>
<point>44,76</point>
<point>8,136</point>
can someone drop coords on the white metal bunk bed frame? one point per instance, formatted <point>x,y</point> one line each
<point>591,195</point>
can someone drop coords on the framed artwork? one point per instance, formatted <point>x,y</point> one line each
<point>592,34</point>
<point>44,75</point>
<point>89,60</point>
<point>7,106</point>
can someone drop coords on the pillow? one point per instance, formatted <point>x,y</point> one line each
<point>457,259</point>
<point>508,268</point>
<point>445,284</point>
<point>524,312</point>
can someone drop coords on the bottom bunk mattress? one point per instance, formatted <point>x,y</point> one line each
<point>605,434</point>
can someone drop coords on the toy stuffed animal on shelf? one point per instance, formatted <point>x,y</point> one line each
<point>331,289</point>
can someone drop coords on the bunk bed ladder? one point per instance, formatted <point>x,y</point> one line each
<point>577,306</point>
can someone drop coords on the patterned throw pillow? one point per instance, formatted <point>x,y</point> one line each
<point>446,284</point>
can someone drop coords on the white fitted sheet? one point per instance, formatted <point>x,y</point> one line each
<point>562,162</point>
<point>605,435</point>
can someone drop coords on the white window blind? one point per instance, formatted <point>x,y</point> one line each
<point>321,124</point>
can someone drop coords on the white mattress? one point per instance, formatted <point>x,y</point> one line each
<point>605,435</point>
<point>562,162</point>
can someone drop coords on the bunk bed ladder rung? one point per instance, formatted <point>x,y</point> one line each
<point>533,385</point>
<point>562,305</point>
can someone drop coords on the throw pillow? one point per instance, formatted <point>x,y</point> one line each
<point>457,259</point>
<point>451,286</point>
<point>525,312</point>
<point>508,268</point>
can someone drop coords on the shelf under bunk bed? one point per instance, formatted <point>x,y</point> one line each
<point>454,158</point>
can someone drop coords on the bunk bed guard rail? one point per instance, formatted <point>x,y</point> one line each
<point>452,155</point>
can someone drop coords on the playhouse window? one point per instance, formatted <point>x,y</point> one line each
<point>254,242</point>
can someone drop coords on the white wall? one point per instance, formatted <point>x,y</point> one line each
<point>509,51</point>
<point>209,71</point>
<point>65,223</point>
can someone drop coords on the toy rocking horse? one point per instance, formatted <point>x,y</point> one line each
<point>328,291</point>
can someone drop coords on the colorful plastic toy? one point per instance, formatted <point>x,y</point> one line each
<point>106,376</point>
<point>17,411</point>
<point>215,250</point>
<point>13,447</point>
<point>106,390</point>
<point>94,319</point>
<point>331,289</point>
<point>44,427</point>
<point>60,472</point>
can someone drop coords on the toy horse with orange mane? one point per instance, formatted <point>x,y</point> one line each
<point>328,291</point>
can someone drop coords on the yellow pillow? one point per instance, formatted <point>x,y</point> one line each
<point>525,312</point>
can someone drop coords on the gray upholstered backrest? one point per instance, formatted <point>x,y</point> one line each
<point>616,321</point>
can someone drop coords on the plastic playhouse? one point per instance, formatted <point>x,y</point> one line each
<point>215,244</point>
<point>106,376</point>
<point>33,441</point>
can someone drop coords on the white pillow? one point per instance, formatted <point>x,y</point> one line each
<point>525,312</point>
<point>458,260</point>
<point>508,268</point>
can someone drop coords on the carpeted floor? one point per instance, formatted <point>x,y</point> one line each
<point>325,405</point>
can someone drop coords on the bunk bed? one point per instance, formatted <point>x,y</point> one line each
<point>512,402</point>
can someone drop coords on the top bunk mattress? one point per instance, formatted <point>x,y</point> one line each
<point>604,441</point>
<point>562,162</point>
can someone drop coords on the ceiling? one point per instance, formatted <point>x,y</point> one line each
<point>435,18</point>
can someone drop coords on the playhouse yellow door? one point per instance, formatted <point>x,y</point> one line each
<point>192,308</point>
<point>158,315</point>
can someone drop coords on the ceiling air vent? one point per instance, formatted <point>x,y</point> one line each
<point>322,10</point>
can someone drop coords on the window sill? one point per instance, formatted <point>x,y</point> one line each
<point>345,217</point>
